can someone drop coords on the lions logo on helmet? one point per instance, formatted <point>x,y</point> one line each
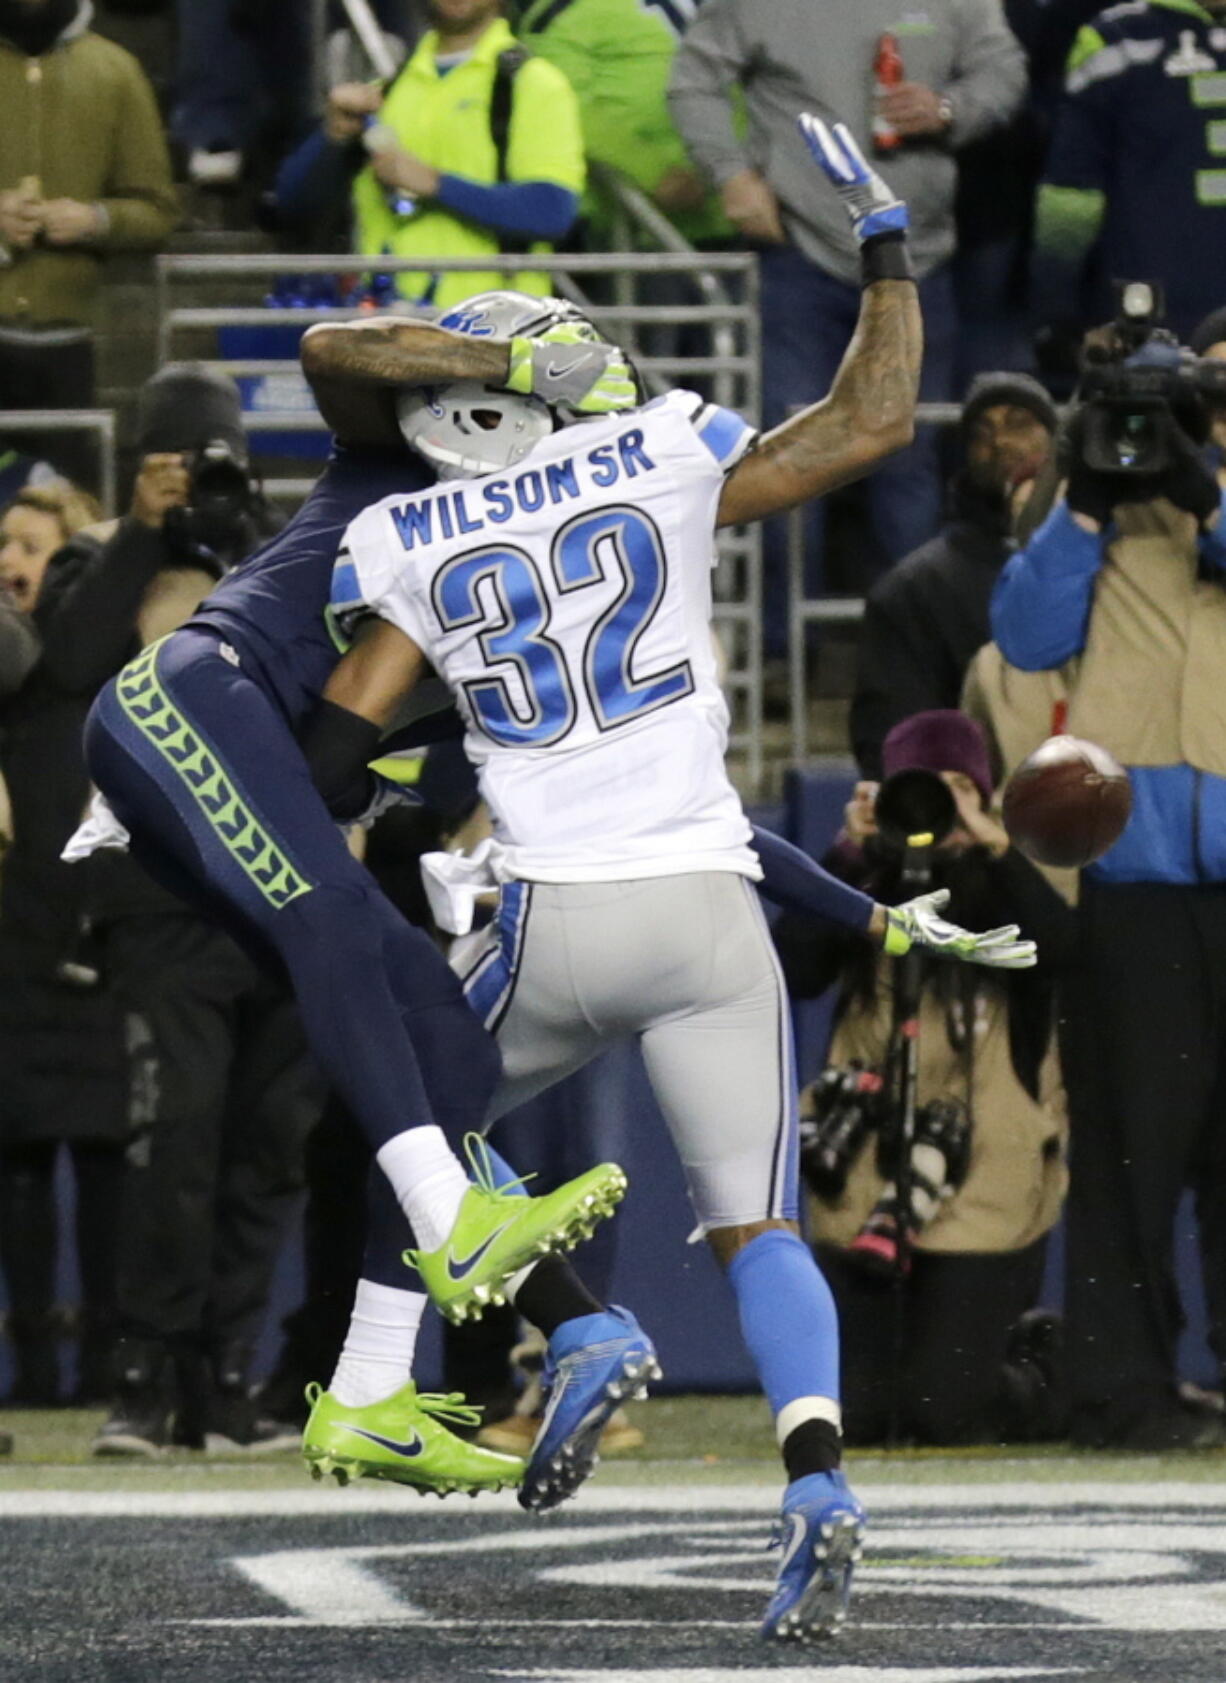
<point>517,315</point>
<point>467,429</point>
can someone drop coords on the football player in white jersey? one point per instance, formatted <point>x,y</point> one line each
<point>558,580</point>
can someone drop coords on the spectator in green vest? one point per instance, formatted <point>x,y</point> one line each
<point>472,150</point>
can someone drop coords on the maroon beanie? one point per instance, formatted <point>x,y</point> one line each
<point>940,740</point>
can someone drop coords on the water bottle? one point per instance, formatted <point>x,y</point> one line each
<point>378,137</point>
<point>888,73</point>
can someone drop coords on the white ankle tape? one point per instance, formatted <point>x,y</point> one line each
<point>795,1414</point>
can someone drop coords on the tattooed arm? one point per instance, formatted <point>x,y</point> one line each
<point>870,409</point>
<point>868,413</point>
<point>356,367</point>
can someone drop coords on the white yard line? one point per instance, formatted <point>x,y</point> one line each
<point>604,1499</point>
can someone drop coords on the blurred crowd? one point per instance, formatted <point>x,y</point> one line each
<point>1016,585</point>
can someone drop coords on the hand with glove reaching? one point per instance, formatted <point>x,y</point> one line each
<point>561,366</point>
<point>918,923</point>
<point>875,209</point>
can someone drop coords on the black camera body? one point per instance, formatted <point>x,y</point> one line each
<point>1130,396</point>
<point>912,803</point>
<point>215,528</point>
<point>848,1104</point>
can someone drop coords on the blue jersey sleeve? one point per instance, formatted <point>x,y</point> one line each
<point>724,433</point>
<point>347,604</point>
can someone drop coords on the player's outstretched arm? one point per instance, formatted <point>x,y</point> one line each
<point>343,735</point>
<point>355,369</point>
<point>373,678</point>
<point>869,411</point>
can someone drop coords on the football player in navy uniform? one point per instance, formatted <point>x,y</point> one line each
<point>193,746</point>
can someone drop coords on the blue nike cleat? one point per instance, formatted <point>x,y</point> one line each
<point>594,1363</point>
<point>821,1528</point>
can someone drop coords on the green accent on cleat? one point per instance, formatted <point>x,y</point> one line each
<point>405,1438</point>
<point>497,1232</point>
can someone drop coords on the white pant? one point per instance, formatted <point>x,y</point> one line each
<point>686,965</point>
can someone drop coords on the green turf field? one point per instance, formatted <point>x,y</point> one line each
<point>706,1439</point>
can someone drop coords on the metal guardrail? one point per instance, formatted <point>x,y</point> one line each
<point>725,285</point>
<point>805,610</point>
<point>100,422</point>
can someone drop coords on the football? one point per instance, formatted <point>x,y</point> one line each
<point>1067,803</point>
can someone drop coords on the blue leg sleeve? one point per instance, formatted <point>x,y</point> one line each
<point>788,1318</point>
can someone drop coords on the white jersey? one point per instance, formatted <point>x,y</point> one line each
<point>566,602</point>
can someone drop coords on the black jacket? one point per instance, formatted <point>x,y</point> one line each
<point>923,622</point>
<point>86,620</point>
<point>61,1039</point>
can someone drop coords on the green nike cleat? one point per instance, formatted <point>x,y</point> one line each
<point>404,1438</point>
<point>498,1231</point>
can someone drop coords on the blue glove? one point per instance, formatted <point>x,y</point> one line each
<point>872,206</point>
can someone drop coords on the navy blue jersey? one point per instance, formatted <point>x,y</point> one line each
<point>1138,156</point>
<point>272,608</point>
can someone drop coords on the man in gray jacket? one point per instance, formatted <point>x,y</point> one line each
<point>963,73</point>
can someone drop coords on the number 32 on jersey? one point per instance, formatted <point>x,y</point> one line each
<point>609,543</point>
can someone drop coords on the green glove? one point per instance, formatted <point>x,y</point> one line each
<point>564,367</point>
<point>917,923</point>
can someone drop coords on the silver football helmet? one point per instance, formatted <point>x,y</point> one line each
<point>467,429</point>
<point>511,315</point>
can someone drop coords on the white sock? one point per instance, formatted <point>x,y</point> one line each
<point>428,1181</point>
<point>378,1355</point>
<point>795,1414</point>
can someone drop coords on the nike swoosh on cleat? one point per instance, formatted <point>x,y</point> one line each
<point>458,1267</point>
<point>415,1445</point>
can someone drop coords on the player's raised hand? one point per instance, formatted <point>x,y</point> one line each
<point>918,923</point>
<point>562,367</point>
<point>873,207</point>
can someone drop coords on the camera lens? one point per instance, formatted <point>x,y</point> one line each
<point>912,803</point>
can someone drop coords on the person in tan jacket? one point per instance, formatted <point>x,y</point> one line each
<point>84,168</point>
<point>989,1162</point>
<point>1122,589</point>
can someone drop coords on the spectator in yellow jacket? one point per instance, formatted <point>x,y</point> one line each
<point>473,149</point>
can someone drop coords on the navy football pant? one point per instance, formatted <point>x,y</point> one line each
<point>201,767</point>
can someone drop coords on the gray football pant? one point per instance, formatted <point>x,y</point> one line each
<point>686,966</point>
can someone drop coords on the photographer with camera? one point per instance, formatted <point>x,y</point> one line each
<point>220,1088</point>
<point>984,1176</point>
<point>1128,574</point>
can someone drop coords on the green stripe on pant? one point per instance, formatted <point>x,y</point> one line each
<point>149,708</point>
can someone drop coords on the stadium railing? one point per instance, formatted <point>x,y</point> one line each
<point>805,610</point>
<point>30,423</point>
<point>614,289</point>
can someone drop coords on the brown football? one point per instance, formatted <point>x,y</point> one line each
<point>1067,803</point>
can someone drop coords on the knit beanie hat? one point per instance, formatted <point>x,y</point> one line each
<point>985,390</point>
<point>942,739</point>
<point>185,406</point>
